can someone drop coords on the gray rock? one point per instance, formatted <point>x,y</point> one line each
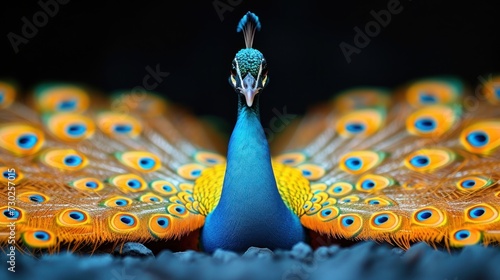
<point>133,249</point>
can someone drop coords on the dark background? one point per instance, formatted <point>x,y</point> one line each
<point>108,45</point>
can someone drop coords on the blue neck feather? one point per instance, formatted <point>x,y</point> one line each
<point>250,211</point>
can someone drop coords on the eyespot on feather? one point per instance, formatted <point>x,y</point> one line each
<point>65,159</point>
<point>363,122</point>
<point>473,183</point>
<point>358,162</point>
<point>116,201</point>
<point>339,189</point>
<point>291,159</point>
<point>429,217</point>
<point>209,158</point>
<point>312,172</point>
<point>21,139</point>
<point>385,221</point>
<point>128,183</point>
<point>429,160</point>
<point>73,218</point>
<point>177,210</point>
<point>431,121</point>
<point>61,98</point>
<point>9,214</point>
<point>87,184</point>
<point>119,125</point>
<point>140,160</point>
<point>150,198</point>
<point>33,197</point>
<point>70,127</point>
<point>481,137</point>
<point>491,90</point>
<point>12,175</point>
<point>434,91</point>
<point>123,222</point>
<point>163,187</point>
<point>350,224</point>
<point>7,94</point>
<point>372,183</point>
<point>481,213</point>
<point>160,225</point>
<point>465,237</point>
<point>39,238</point>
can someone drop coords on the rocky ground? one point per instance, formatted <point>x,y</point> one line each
<point>366,260</point>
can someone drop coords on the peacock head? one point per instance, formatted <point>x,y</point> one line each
<point>249,67</point>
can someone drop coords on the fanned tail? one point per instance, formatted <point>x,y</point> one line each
<point>78,174</point>
<point>423,165</point>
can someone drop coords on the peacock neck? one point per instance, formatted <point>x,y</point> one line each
<point>250,211</point>
<point>249,160</point>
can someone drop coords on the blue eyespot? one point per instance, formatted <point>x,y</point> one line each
<point>381,219</point>
<point>41,235</point>
<point>476,212</point>
<point>196,172</point>
<point>129,221</point>
<point>424,215</point>
<point>495,89</point>
<point>354,163</point>
<point>467,184</point>
<point>91,185</point>
<point>425,124</point>
<point>2,97</point>
<point>337,189</point>
<point>326,212</point>
<point>306,172</point>
<point>121,202</point>
<point>162,222</point>
<point>180,210</point>
<point>477,138</point>
<point>72,160</point>
<point>367,184</point>
<point>211,160</point>
<point>355,127</point>
<point>347,221</point>
<point>420,161</point>
<point>122,128</point>
<point>27,141</point>
<point>7,174</point>
<point>154,199</point>
<point>67,105</point>
<point>146,163</point>
<point>462,234</point>
<point>134,183</point>
<point>36,198</point>
<point>427,98</point>
<point>167,188</point>
<point>77,216</point>
<point>374,202</point>
<point>11,214</point>
<point>289,160</point>
<point>76,130</point>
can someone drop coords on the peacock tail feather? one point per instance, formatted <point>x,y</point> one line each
<point>420,163</point>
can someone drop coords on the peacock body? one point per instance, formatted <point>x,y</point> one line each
<point>422,164</point>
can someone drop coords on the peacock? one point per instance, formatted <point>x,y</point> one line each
<point>420,163</point>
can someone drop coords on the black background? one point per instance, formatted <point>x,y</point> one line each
<point>108,45</point>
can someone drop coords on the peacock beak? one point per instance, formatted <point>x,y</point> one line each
<point>249,89</point>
